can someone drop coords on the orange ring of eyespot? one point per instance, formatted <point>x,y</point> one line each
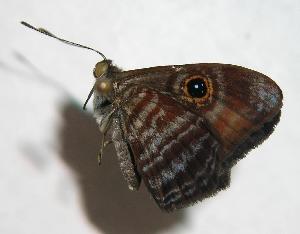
<point>198,101</point>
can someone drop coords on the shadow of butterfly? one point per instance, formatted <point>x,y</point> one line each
<point>181,128</point>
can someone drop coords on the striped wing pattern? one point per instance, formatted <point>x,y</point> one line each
<point>177,157</point>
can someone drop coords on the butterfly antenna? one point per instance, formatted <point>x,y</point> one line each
<point>46,32</point>
<point>88,98</point>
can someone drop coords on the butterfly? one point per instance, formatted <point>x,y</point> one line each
<point>180,129</point>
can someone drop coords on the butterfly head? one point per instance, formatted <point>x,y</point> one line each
<point>103,85</point>
<point>103,90</point>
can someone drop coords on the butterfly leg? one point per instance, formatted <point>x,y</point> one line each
<point>101,149</point>
<point>104,129</point>
<point>104,143</point>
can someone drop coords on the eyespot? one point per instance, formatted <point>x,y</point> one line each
<point>100,68</point>
<point>197,89</point>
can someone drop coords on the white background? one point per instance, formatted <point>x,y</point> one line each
<point>49,178</point>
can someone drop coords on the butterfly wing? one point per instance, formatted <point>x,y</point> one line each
<point>241,101</point>
<point>176,156</point>
<point>238,111</point>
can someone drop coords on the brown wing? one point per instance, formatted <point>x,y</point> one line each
<point>241,111</point>
<point>184,146</point>
<point>176,156</point>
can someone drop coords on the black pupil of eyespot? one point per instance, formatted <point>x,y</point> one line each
<point>197,88</point>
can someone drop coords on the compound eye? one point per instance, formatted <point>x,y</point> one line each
<point>104,86</point>
<point>100,69</point>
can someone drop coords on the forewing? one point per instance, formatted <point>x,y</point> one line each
<point>241,111</point>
